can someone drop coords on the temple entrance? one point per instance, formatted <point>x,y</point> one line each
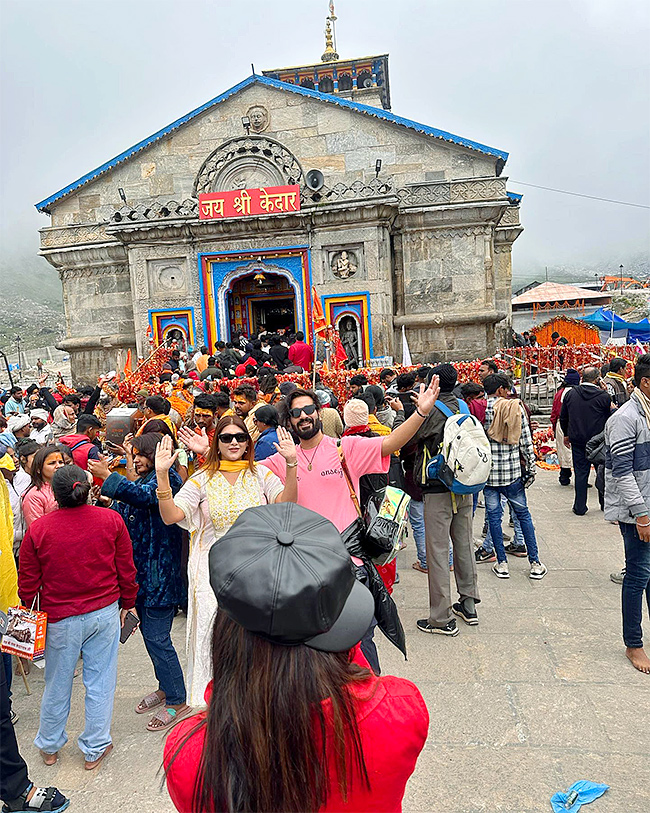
<point>261,301</point>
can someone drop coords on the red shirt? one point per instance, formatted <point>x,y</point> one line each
<point>393,724</point>
<point>81,560</point>
<point>301,355</point>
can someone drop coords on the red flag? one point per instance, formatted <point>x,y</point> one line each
<point>127,366</point>
<point>339,357</point>
<point>317,313</point>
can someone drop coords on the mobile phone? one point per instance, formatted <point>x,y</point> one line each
<point>131,623</point>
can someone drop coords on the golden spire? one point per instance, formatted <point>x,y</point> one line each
<point>330,54</point>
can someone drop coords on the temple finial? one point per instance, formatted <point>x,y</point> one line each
<point>330,54</point>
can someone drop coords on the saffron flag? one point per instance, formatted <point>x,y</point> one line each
<point>317,313</point>
<point>406,353</point>
<point>127,365</point>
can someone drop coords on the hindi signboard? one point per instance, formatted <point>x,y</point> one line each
<point>248,202</point>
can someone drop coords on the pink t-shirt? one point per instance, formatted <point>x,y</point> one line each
<point>324,489</point>
<point>37,502</point>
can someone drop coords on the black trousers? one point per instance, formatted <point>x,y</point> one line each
<point>581,469</point>
<point>13,770</point>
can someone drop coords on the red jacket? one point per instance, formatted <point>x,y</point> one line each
<point>393,724</point>
<point>301,355</point>
<point>81,447</point>
<point>81,560</point>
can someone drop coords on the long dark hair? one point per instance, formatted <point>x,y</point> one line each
<point>160,427</point>
<point>269,743</point>
<point>212,459</point>
<point>146,443</point>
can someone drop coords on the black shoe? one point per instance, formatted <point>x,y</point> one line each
<point>565,482</point>
<point>450,629</point>
<point>516,550</point>
<point>461,612</point>
<point>579,513</point>
<point>482,555</point>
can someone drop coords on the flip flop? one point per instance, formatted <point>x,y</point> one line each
<point>168,717</point>
<point>148,703</point>
<point>418,566</point>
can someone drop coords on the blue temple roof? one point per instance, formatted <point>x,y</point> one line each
<point>378,113</point>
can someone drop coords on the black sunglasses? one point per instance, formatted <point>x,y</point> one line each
<point>228,437</point>
<point>296,412</point>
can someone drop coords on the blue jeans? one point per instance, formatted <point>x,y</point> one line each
<point>636,582</point>
<point>519,534</point>
<point>96,637</point>
<point>515,493</point>
<point>156,625</point>
<point>416,518</point>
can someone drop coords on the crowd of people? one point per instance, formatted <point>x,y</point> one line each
<point>239,503</point>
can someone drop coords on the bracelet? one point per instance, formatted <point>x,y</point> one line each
<point>643,524</point>
<point>420,414</point>
<point>292,465</point>
<point>164,495</point>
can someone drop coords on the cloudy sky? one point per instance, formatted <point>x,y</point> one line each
<point>562,85</point>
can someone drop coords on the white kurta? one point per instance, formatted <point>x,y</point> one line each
<point>564,456</point>
<point>211,505</point>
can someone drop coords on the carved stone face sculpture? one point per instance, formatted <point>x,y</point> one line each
<point>259,118</point>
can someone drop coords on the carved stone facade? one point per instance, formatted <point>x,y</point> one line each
<point>425,241</point>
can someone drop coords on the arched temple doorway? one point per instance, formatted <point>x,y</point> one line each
<point>261,301</point>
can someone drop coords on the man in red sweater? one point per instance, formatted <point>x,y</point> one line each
<point>300,353</point>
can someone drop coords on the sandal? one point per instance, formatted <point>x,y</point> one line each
<point>418,566</point>
<point>166,718</point>
<point>148,703</point>
<point>43,799</point>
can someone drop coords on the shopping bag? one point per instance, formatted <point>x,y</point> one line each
<point>25,633</point>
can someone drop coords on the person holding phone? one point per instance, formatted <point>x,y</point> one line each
<point>79,561</point>
<point>157,555</point>
<point>207,505</point>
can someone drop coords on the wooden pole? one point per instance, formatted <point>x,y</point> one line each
<point>21,669</point>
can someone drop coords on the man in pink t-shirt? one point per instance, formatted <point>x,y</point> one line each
<point>321,483</point>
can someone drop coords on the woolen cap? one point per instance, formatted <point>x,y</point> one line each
<point>572,377</point>
<point>282,572</point>
<point>447,375</point>
<point>355,413</point>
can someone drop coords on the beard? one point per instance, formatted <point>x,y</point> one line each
<point>307,428</point>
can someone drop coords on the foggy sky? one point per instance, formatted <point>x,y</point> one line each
<point>562,85</point>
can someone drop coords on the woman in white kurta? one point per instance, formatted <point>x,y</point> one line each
<point>207,505</point>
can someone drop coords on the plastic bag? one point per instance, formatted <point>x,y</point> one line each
<point>587,791</point>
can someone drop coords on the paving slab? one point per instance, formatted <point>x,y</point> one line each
<point>535,697</point>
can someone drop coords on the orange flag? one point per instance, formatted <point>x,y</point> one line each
<point>127,366</point>
<point>317,313</point>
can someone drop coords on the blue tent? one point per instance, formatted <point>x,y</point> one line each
<point>639,331</point>
<point>611,324</point>
<point>605,320</point>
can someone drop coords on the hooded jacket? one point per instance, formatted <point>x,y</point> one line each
<point>584,413</point>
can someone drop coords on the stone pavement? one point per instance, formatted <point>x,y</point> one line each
<point>539,695</point>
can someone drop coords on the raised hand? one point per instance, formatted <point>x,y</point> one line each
<point>99,468</point>
<point>426,399</point>
<point>285,445</point>
<point>165,454</point>
<point>199,444</point>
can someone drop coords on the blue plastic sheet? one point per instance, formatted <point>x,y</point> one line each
<point>587,792</point>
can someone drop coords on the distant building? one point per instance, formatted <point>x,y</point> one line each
<point>536,305</point>
<point>393,223</point>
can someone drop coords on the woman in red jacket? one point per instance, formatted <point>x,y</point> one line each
<point>79,560</point>
<point>295,719</point>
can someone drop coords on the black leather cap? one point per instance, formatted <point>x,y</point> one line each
<point>283,572</point>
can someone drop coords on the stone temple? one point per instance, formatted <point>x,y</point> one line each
<point>392,223</point>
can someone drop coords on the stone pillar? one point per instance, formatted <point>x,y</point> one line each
<point>98,308</point>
